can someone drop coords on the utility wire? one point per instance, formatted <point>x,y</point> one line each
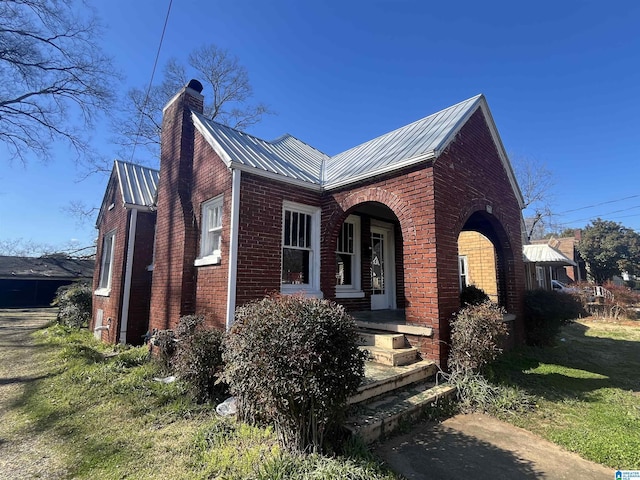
<point>598,204</point>
<point>153,72</point>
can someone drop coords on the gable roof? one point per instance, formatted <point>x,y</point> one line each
<point>54,267</point>
<point>545,254</point>
<point>137,186</point>
<point>289,159</point>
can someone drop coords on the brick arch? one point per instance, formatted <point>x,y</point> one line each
<point>500,237</point>
<point>375,194</point>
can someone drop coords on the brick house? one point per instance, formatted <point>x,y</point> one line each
<point>375,228</point>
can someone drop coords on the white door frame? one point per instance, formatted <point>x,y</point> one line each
<point>386,301</point>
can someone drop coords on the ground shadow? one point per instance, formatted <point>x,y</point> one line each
<point>587,364</point>
<point>435,451</point>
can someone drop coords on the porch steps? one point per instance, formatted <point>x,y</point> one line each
<point>387,348</point>
<point>391,396</point>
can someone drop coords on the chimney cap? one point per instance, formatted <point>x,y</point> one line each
<point>195,85</point>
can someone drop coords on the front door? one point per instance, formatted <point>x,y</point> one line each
<point>382,267</point>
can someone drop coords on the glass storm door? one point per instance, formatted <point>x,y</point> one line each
<point>381,268</point>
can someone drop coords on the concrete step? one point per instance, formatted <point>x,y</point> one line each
<point>393,357</point>
<point>382,379</point>
<point>380,418</point>
<point>383,340</point>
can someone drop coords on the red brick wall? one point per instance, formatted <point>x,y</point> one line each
<point>174,275</point>
<point>138,321</point>
<point>116,220</point>
<point>211,178</point>
<point>468,177</point>
<point>260,234</point>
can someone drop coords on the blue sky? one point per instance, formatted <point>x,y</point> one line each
<point>562,80</point>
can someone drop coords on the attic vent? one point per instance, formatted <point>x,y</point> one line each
<point>195,85</point>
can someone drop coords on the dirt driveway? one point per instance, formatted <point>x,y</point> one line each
<point>24,453</point>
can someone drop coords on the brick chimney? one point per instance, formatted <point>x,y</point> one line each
<point>173,284</point>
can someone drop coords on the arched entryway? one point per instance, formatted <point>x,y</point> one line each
<point>369,272</point>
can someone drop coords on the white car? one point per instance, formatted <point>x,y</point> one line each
<point>561,287</point>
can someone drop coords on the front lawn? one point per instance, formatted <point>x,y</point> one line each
<point>112,420</point>
<point>587,389</point>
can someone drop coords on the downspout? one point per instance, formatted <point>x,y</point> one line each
<point>233,246</point>
<point>127,276</point>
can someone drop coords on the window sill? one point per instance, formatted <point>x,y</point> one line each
<point>210,260</point>
<point>102,292</point>
<point>349,293</point>
<point>301,290</point>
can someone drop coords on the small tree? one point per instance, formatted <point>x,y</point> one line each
<point>293,362</point>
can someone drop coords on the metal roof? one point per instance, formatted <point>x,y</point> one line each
<point>418,141</point>
<point>292,160</point>
<point>543,253</point>
<point>53,267</point>
<point>138,184</point>
<point>286,156</point>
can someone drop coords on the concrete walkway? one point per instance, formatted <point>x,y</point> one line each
<point>480,447</point>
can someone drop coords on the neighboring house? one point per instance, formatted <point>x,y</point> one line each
<point>122,280</point>
<point>577,271</point>
<point>543,264</point>
<point>32,282</point>
<point>372,228</point>
<point>477,258</point>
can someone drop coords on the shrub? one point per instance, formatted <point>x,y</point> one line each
<point>545,312</point>
<point>472,295</point>
<point>74,304</point>
<point>198,358</point>
<point>476,333</point>
<point>165,343</point>
<point>293,362</point>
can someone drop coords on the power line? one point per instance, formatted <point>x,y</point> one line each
<point>153,72</point>
<point>598,204</point>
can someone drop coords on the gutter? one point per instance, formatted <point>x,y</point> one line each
<point>127,276</point>
<point>233,247</point>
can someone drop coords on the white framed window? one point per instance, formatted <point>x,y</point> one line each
<point>463,271</point>
<point>540,277</point>
<point>211,232</point>
<point>348,259</point>
<point>300,270</point>
<point>106,264</point>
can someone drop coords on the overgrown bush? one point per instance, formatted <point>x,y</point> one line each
<point>545,312</point>
<point>293,362</point>
<point>198,358</point>
<point>163,343</point>
<point>472,295</point>
<point>476,334</point>
<point>74,304</point>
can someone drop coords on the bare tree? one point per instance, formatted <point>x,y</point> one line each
<point>19,247</point>
<point>228,93</point>
<point>536,182</point>
<point>54,77</point>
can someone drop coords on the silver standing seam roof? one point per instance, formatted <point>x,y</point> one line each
<point>138,184</point>
<point>545,254</point>
<point>289,159</point>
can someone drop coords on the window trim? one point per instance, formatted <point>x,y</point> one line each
<point>215,257</point>
<point>105,290</point>
<point>354,290</point>
<point>463,264</point>
<point>311,289</point>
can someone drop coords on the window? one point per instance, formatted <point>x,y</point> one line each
<point>348,259</point>
<point>300,249</point>
<point>211,232</point>
<point>106,264</point>
<point>540,277</point>
<point>463,271</point>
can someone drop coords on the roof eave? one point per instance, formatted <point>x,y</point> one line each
<point>424,157</point>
